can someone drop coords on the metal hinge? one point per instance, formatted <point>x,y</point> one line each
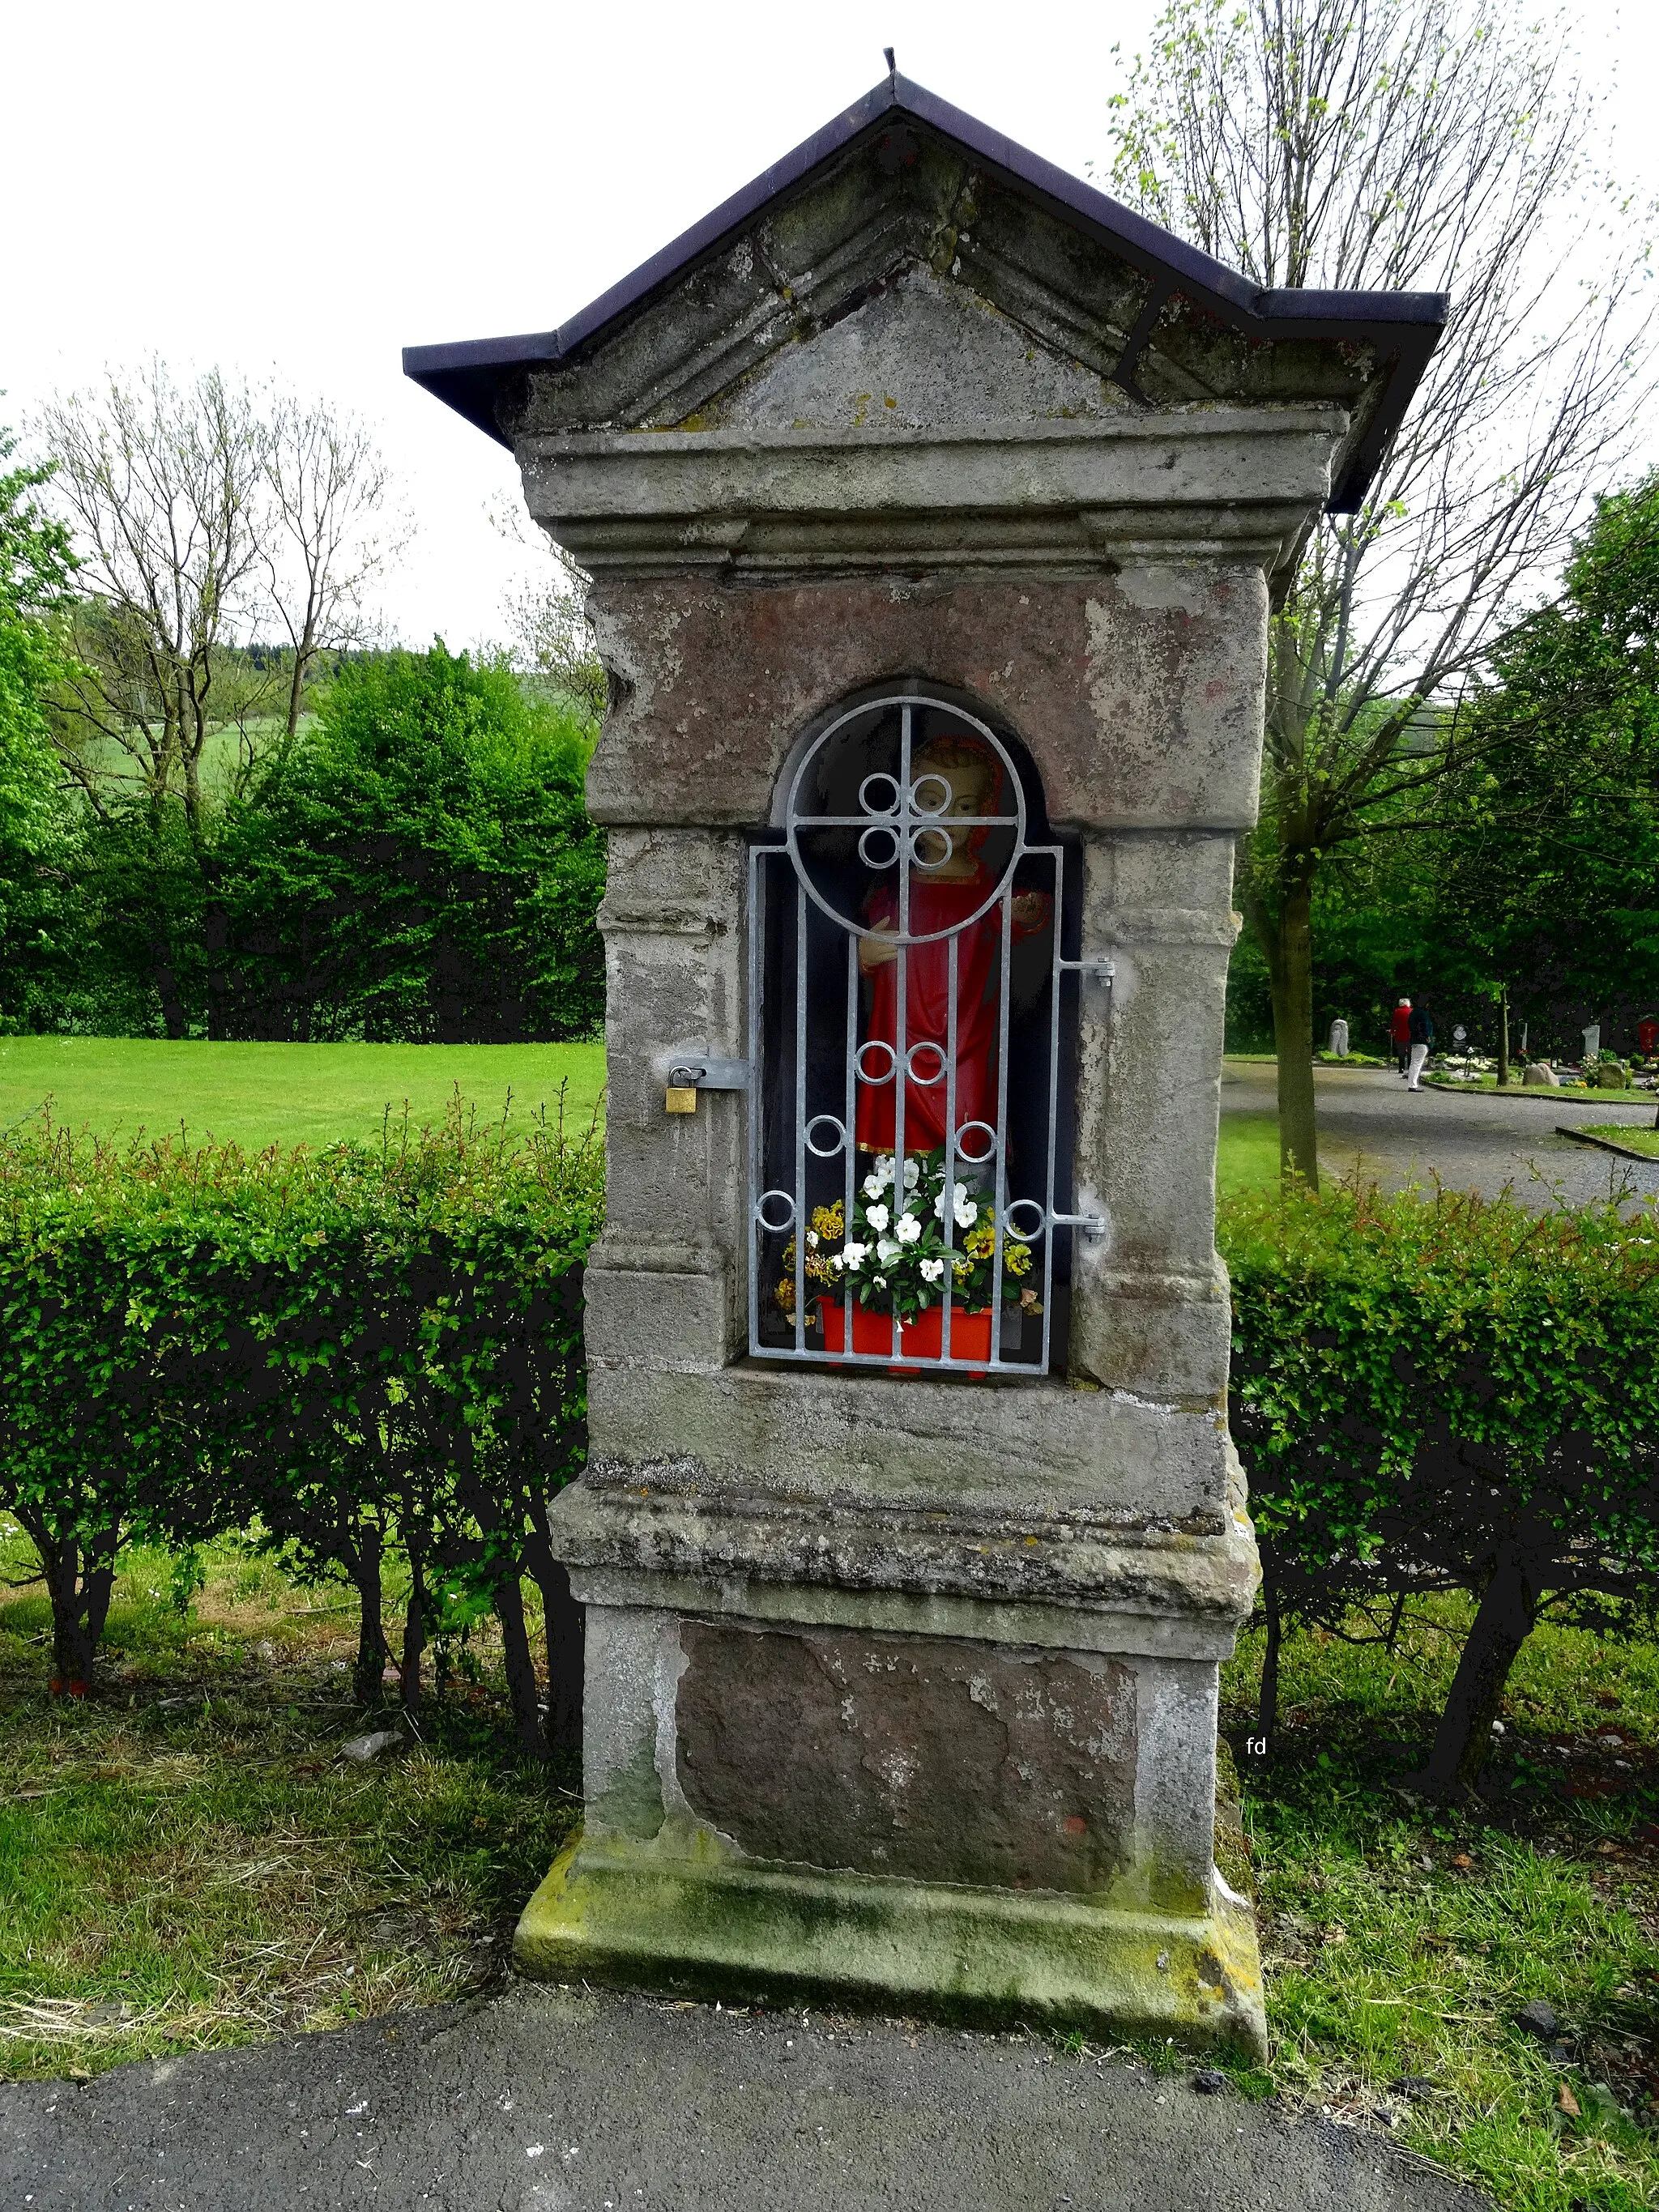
<point>1094,967</point>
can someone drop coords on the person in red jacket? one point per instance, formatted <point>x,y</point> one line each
<point>1399,1029</point>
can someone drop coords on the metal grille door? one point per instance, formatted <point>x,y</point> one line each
<point>906,1054</point>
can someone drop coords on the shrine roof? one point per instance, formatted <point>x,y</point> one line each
<point>1395,330</point>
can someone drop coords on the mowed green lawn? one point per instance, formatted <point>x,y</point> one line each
<point>259,1094</point>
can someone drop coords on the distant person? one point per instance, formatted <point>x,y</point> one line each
<point>1399,1029</point>
<point>1420,1032</point>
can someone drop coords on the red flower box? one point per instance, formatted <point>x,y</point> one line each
<point>921,1339</point>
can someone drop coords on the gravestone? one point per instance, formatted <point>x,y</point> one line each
<point>1338,1039</point>
<point>934,506</point>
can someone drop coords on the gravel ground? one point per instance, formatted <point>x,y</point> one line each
<point>1368,1117</point>
<point>543,2100</point>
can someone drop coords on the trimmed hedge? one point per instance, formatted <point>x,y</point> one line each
<point>1448,1394</point>
<point>352,1355</point>
<point>357,1358</point>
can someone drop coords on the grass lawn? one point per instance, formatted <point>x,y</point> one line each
<point>1401,1939</point>
<point>185,1860</point>
<point>1643,1139</point>
<point>283,1094</point>
<point>1247,1156</point>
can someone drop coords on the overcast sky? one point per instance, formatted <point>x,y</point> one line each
<point>309,187</point>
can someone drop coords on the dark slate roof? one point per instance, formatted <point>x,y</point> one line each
<point>1403,326</point>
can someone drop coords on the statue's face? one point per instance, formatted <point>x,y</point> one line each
<point>972,786</point>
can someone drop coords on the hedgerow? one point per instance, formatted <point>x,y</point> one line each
<point>347,1357</point>
<point>1447,1393</point>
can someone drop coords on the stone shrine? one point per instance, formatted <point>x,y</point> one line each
<point>934,505</point>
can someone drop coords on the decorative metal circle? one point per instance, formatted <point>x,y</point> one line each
<point>925,1082</point>
<point>898,812</point>
<point>876,1044</point>
<point>942,836</point>
<point>1012,1228</point>
<point>976,1159</point>
<point>787,1199</point>
<point>826,1152</point>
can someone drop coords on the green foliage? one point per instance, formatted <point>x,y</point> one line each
<point>351,1353</point>
<point>1551,853</point>
<point>420,865</point>
<point>36,568</point>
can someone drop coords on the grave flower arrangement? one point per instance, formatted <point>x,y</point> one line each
<point>896,1256</point>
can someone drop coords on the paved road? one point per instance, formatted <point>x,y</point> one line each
<point>1367,1115</point>
<point>540,2100</point>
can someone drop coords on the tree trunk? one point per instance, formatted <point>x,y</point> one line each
<point>520,1667</point>
<point>1503,1622</point>
<point>368,1682</point>
<point>1291,972</point>
<point>414,1620</point>
<point>565,1622</point>
<point>166,978</point>
<point>79,1583</point>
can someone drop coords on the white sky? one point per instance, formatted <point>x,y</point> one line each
<point>309,187</point>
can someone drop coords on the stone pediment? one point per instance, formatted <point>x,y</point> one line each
<point>907,273</point>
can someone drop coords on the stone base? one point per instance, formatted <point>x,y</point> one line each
<point>610,1912</point>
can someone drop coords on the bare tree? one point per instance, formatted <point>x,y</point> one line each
<point>206,512</point>
<point>1376,144</point>
<point>321,543</point>
<point>547,615</point>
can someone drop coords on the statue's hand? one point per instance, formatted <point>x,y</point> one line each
<point>877,951</point>
<point>1030,909</point>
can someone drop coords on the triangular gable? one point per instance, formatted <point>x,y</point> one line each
<point>906,254</point>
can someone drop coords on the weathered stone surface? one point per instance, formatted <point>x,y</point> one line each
<point>903,1755</point>
<point>1540,1077</point>
<point>1139,695</point>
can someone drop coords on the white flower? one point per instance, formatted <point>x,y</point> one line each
<point>878,1282</point>
<point>879,1218</point>
<point>912,1174</point>
<point>962,1206</point>
<point>812,1236</point>
<point>886,1250</point>
<point>854,1255</point>
<point>932,1270</point>
<point>906,1229</point>
<point>880,1177</point>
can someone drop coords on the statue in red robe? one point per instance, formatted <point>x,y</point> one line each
<point>942,897</point>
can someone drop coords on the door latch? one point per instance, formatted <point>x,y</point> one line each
<point>687,1068</point>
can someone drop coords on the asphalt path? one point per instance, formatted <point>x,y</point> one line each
<point>1368,1120</point>
<point>543,2100</point>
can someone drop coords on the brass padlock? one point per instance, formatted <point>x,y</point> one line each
<point>681,1099</point>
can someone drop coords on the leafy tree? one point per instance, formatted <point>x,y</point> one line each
<point>37,568</point>
<point>1550,858</point>
<point>207,513</point>
<point>422,865</point>
<point>1390,145</point>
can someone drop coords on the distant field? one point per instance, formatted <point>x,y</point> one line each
<point>257,1095</point>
